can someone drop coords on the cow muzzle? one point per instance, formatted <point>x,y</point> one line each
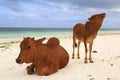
<point>18,60</point>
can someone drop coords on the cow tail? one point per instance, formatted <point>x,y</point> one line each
<point>75,44</point>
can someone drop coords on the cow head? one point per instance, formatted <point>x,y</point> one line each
<point>97,17</point>
<point>28,48</point>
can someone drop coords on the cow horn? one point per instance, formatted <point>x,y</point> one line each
<point>33,38</point>
<point>24,37</point>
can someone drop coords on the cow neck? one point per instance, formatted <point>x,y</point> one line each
<point>35,53</point>
<point>39,56</point>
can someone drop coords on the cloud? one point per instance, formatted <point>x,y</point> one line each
<point>15,5</point>
<point>59,12</point>
<point>81,6</point>
<point>11,4</point>
<point>115,9</point>
<point>75,5</point>
<point>90,3</point>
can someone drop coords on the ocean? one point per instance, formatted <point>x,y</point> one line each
<point>6,33</point>
<point>9,33</point>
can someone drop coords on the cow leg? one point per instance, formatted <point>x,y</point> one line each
<point>30,69</point>
<point>52,69</point>
<point>90,52</point>
<point>86,50</point>
<point>73,47</point>
<point>78,55</point>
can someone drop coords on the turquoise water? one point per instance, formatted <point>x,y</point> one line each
<point>6,33</point>
<point>34,32</point>
<point>109,31</point>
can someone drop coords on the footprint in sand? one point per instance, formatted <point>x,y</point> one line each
<point>94,51</point>
<point>117,57</point>
<point>92,79</point>
<point>108,78</point>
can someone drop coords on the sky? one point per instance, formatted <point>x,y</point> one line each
<point>57,13</point>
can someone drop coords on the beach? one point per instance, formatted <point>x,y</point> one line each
<point>106,64</point>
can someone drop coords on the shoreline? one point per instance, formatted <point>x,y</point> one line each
<point>17,40</point>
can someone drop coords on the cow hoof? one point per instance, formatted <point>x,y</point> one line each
<point>85,61</point>
<point>27,68</point>
<point>78,57</point>
<point>73,57</point>
<point>30,72</point>
<point>91,61</point>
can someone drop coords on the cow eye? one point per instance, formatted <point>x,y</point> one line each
<point>29,47</point>
<point>94,17</point>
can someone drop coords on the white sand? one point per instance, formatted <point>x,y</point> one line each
<point>106,64</point>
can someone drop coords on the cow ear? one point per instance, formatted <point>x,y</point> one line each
<point>42,39</point>
<point>33,38</point>
<point>24,37</point>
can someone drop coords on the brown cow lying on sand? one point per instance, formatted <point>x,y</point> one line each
<point>45,58</point>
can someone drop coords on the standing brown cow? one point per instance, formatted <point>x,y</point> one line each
<point>45,58</point>
<point>87,33</point>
